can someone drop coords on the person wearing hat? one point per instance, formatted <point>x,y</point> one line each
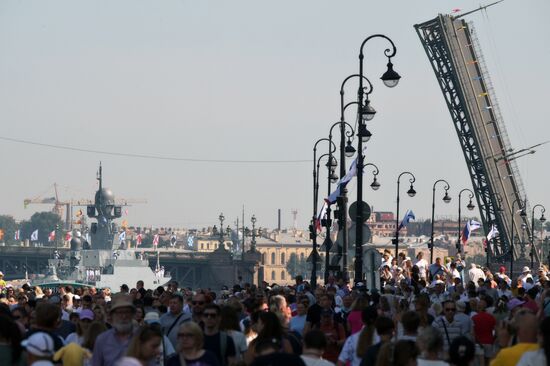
<point>501,275</point>
<point>85,317</point>
<point>438,295</point>
<point>39,348</point>
<point>525,274</point>
<point>475,273</point>
<point>111,345</point>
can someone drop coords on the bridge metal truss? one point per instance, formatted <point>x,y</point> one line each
<point>457,61</point>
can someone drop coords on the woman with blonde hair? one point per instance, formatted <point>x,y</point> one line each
<point>38,293</point>
<point>190,348</point>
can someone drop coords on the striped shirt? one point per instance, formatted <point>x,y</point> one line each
<point>449,331</point>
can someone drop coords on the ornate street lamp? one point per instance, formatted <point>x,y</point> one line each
<point>446,199</point>
<point>411,192</point>
<point>312,227</point>
<point>470,207</point>
<point>253,242</point>
<point>366,113</point>
<point>332,178</point>
<point>542,220</point>
<point>221,246</point>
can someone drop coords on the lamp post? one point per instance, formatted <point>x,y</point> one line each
<point>470,207</point>
<point>253,241</point>
<point>312,228</point>
<point>221,246</point>
<point>366,113</point>
<point>411,192</point>
<point>331,178</point>
<point>542,220</point>
<point>513,214</point>
<point>446,199</point>
<point>346,150</point>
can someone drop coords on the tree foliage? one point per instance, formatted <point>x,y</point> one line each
<point>8,226</point>
<point>44,222</point>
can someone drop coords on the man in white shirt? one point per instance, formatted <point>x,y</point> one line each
<point>526,273</point>
<point>475,274</point>
<point>422,264</point>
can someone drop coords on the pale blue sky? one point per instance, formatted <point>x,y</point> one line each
<point>244,80</point>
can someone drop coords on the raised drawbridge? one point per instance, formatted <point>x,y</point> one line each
<point>455,55</point>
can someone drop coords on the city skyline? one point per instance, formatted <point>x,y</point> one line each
<point>243,82</point>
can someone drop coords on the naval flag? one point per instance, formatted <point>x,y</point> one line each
<point>156,240</point>
<point>17,234</point>
<point>409,215</point>
<point>190,240</point>
<point>470,226</point>
<point>138,240</point>
<point>352,172</point>
<point>51,236</point>
<point>34,235</point>
<point>493,233</point>
<point>322,215</point>
<point>122,237</point>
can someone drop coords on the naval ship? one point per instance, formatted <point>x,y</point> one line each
<point>99,263</point>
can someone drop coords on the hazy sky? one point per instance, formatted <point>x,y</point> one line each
<point>245,80</point>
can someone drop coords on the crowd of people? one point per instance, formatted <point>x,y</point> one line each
<point>439,313</point>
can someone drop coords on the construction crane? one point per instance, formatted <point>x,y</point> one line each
<point>66,207</point>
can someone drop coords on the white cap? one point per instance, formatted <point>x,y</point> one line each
<point>39,344</point>
<point>526,269</point>
<point>151,317</point>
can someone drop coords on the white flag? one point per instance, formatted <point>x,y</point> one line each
<point>34,235</point>
<point>493,233</point>
<point>156,240</point>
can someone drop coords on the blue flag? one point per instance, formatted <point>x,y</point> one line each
<point>408,216</point>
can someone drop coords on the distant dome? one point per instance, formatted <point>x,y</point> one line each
<point>106,195</point>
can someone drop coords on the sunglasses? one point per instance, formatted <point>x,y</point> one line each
<point>197,302</point>
<point>450,309</point>
<point>210,315</point>
<point>185,335</point>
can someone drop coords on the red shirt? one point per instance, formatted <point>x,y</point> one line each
<point>484,324</point>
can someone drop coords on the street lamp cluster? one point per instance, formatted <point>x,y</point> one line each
<point>365,113</point>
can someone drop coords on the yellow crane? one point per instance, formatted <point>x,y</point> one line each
<point>60,206</point>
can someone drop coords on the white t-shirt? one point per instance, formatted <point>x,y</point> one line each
<point>310,361</point>
<point>422,264</point>
<point>532,358</point>
<point>349,351</point>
